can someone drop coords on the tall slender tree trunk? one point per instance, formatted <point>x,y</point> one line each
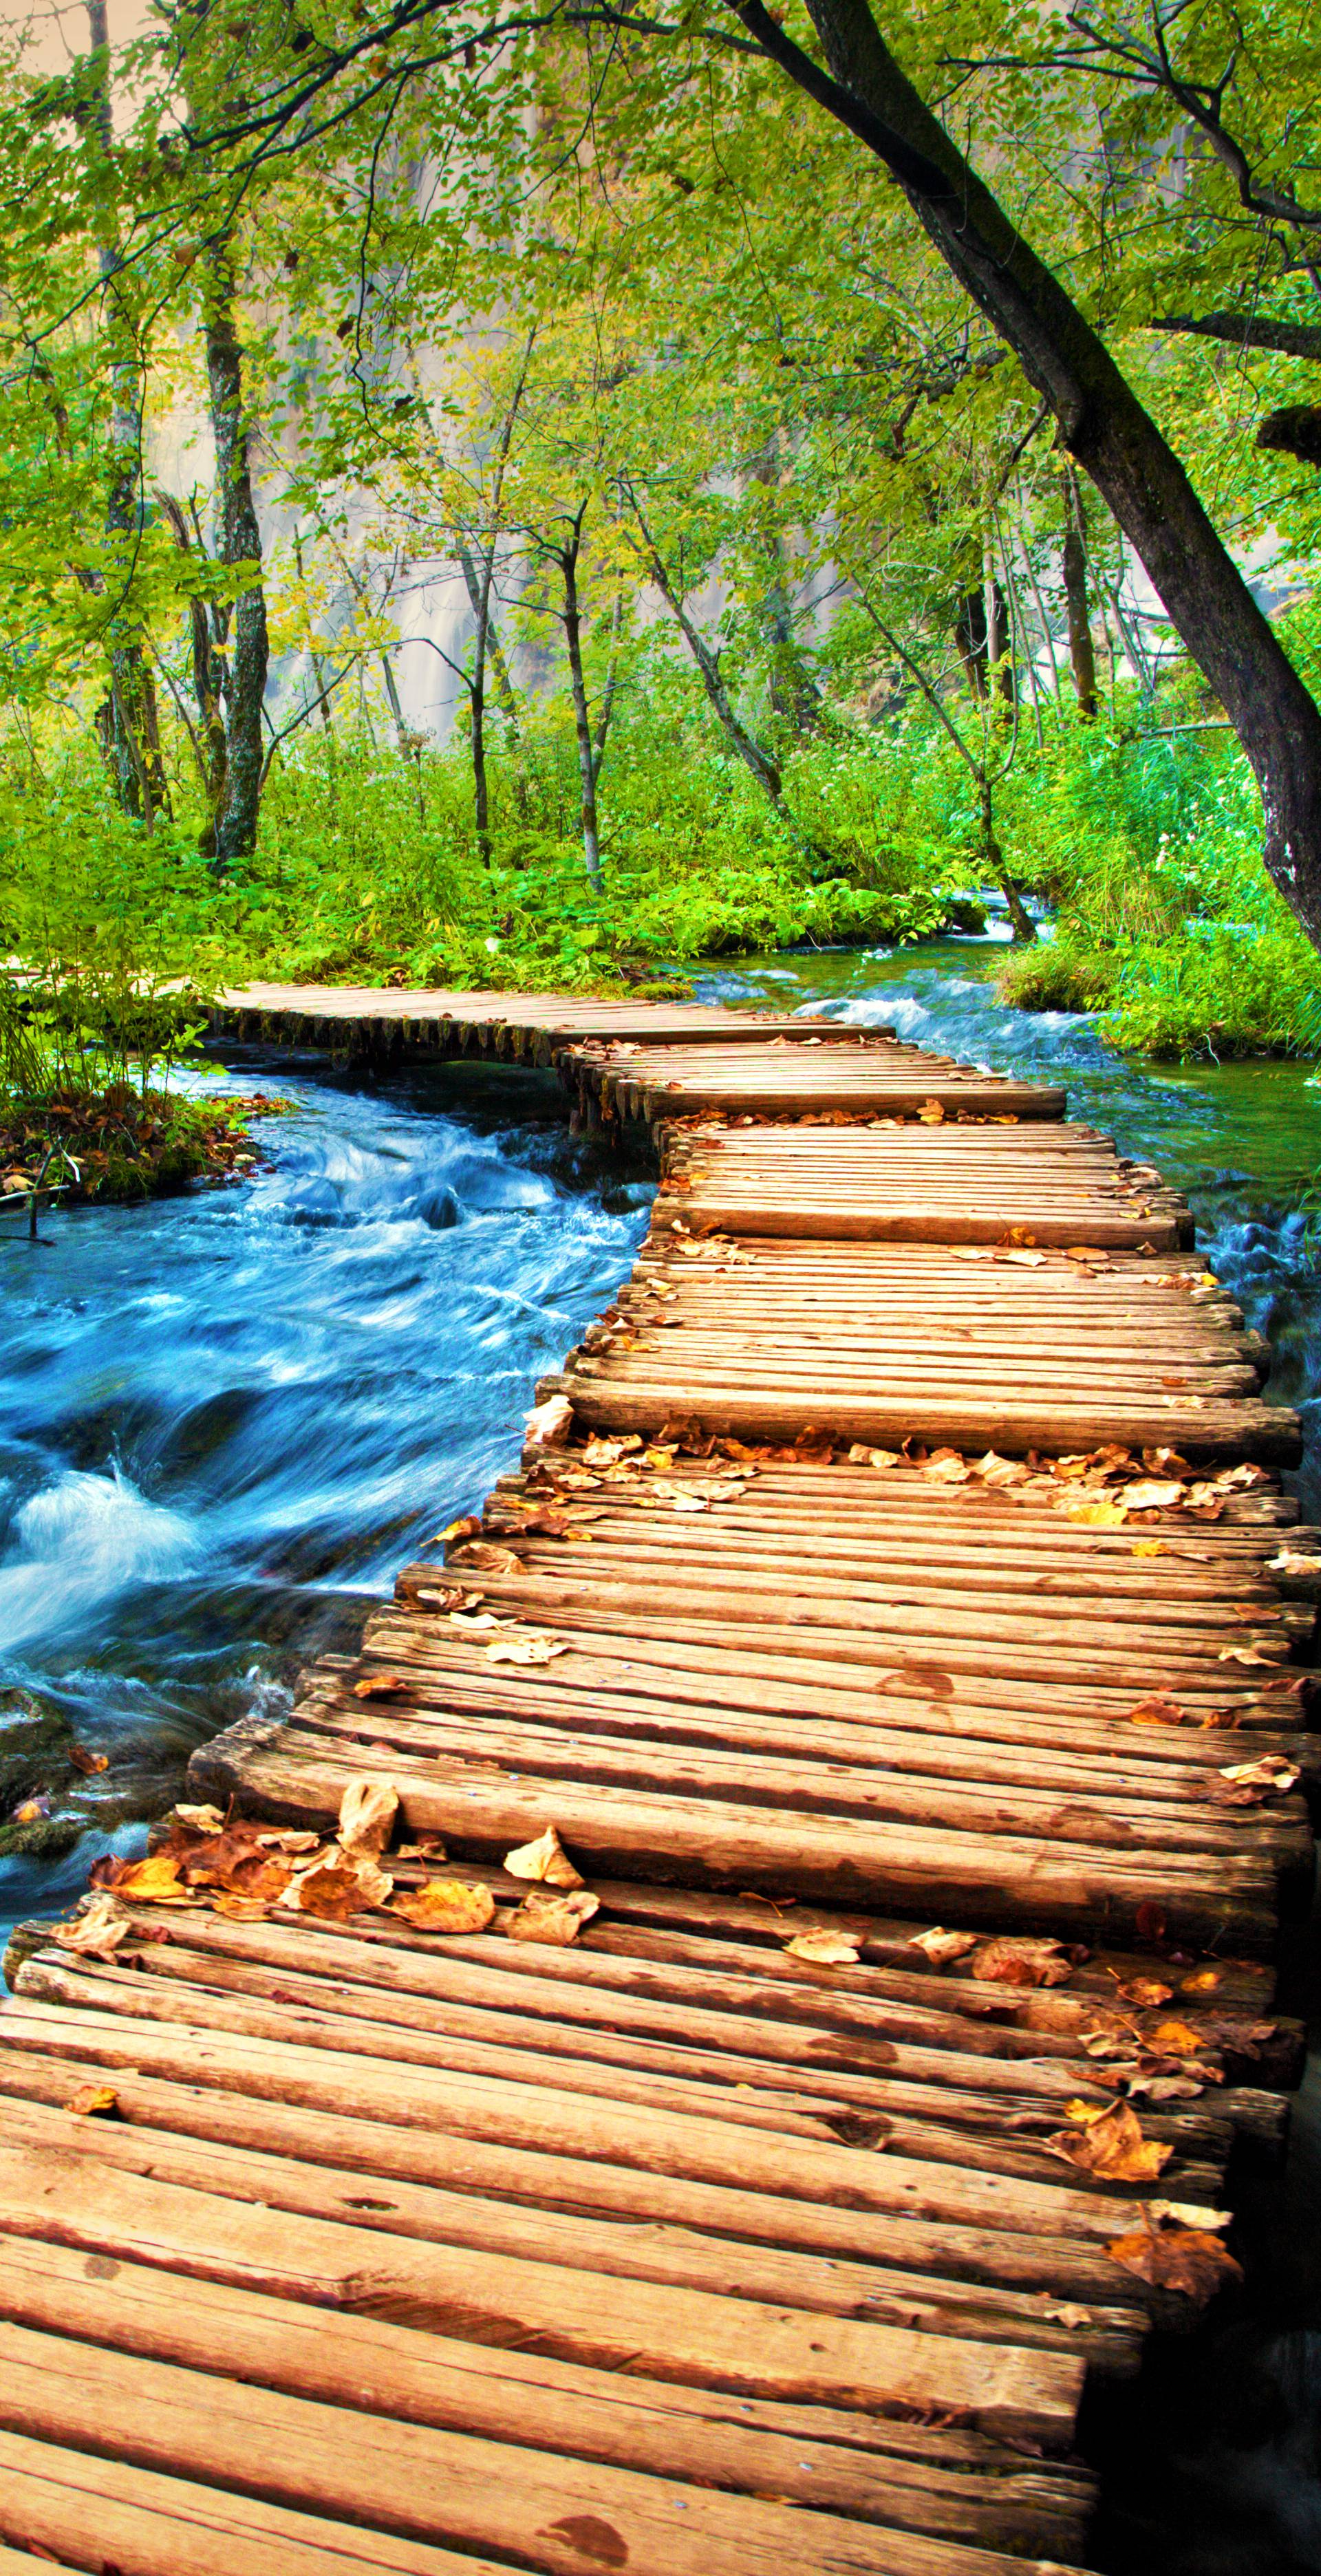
<point>239,544</point>
<point>1102,423</point>
<point>1082,650</point>
<point>128,725</point>
<point>567,557</point>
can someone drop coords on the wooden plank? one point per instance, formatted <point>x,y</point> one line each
<point>739,2344</point>
<point>876,2469</point>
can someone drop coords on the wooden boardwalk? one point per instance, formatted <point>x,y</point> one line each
<point>747,1988</point>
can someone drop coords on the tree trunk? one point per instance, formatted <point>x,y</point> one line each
<point>127,727</point>
<point>1102,423</point>
<point>1021,922</point>
<point>606,709</point>
<point>763,768</point>
<point>568,563</point>
<point>479,586</point>
<point>1082,651</point>
<point>240,543</point>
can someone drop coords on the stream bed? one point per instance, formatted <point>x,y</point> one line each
<point>226,1420</point>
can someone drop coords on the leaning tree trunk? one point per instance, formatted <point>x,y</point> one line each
<point>240,544</point>
<point>1102,423</point>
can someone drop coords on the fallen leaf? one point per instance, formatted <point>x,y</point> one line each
<point>946,1467</point>
<point>1112,2147</point>
<point>1150,1547</point>
<point>1025,1260</point>
<point>598,1452</point>
<point>94,2102</point>
<point>1165,2088</point>
<point>31,1811</point>
<point>1066,2312</point>
<point>367,1812</point>
<point>878,1458</point>
<point>1102,1514</point>
<point>1160,1710</point>
<point>200,1820</point>
<point>446,1905</point>
<point>1146,1993</point>
<point>154,1881</point>
<point>548,1425</point>
<point>1000,1471</point>
<point>1180,2258</point>
<point>98,1930</point>
<point>1172,2039</point>
<point>828,1949</point>
<point>381,1685</point>
<point>87,1762</point>
<point>554,1919</point>
<point>526,1650</point>
<point>1189,2213</point>
<point>468,1527</point>
<point>1271,1772</point>
<point>931,1114</point>
<point>342,1884</point>
<point>1243,1655</point>
<point>545,1859</point>
<point>473,1623</point>
<point>1153,1494</point>
<point>1020,1959</point>
<point>941,1946</point>
<point>1203,1981</point>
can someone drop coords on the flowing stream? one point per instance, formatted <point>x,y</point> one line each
<point>226,1420</point>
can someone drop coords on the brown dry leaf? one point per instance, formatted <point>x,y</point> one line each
<point>828,1949</point>
<point>1165,2088</point>
<point>483,1557</point>
<point>446,1905</point>
<point>473,1623</point>
<point>598,1452</point>
<point>468,1527</point>
<point>1112,2147</point>
<point>526,1650</point>
<point>1243,1655</point>
<point>342,1884</point>
<point>245,1909</point>
<point>554,1919</point>
<point>1146,1993</point>
<point>1020,1959</point>
<point>545,1859</point>
<point>931,1114</point>
<point>87,1762</point>
<point>94,2102</point>
<point>1025,1260</point>
<point>1203,1981</point>
<point>1066,2312</point>
<point>1153,1494</point>
<point>367,1812</point>
<point>381,1685</point>
<point>200,1820</point>
<point>878,1458</point>
<point>940,1946</point>
<point>946,1467</point>
<point>1000,1471</point>
<point>1180,2258</point>
<point>1160,1710</point>
<point>98,1931</point>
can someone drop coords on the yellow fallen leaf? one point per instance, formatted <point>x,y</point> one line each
<point>1150,1547</point>
<point>154,1881</point>
<point>94,2102</point>
<point>1112,2147</point>
<point>381,1685</point>
<point>201,1820</point>
<point>1101,1514</point>
<point>545,1859</point>
<point>446,1905</point>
